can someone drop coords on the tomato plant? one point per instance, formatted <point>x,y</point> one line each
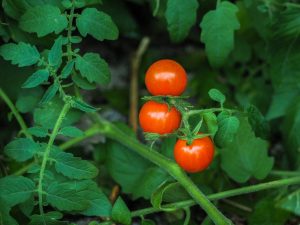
<point>156,117</point>
<point>74,75</point>
<point>166,77</point>
<point>194,157</point>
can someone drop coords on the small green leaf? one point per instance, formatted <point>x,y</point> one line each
<point>38,131</point>
<point>217,96</point>
<point>73,167</point>
<point>291,202</point>
<point>36,79</point>
<point>62,197</point>
<point>157,196</point>
<point>218,28</point>
<point>76,39</point>
<point>21,54</point>
<point>211,122</point>
<point>21,149</point>
<point>98,24</point>
<point>228,127</point>
<point>49,218</point>
<point>50,93</point>
<point>43,20</point>
<point>16,189</point>
<point>120,212</point>
<point>180,18</point>
<point>71,131</point>
<point>66,3</point>
<point>79,104</point>
<point>55,53</point>
<point>82,82</point>
<point>94,68</point>
<point>67,70</point>
<point>246,155</point>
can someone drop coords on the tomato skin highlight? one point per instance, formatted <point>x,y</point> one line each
<point>166,77</point>
<point>155,117</point>
<point>195,157</point>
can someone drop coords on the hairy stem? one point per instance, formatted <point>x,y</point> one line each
<point>69,35</point>
<point>53,135</point>
<point>15,113</point>
<point>113,132</point>
<point>222,195</point>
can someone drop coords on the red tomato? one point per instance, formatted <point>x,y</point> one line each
<point>157,118</point>
<point>195,157</point>
<point>166,77</point>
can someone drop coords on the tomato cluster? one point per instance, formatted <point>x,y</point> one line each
<point>168,78</point>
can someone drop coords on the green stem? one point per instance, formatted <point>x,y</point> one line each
<point>222,195</point>
<point>113,132</point>
<point>282,173</point>
<point>69,35</point>
<point>15,113</point>
<point>55,131</point>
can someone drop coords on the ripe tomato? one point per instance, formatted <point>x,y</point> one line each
<point>155,117</point>
<point>166,77</point>
<point>195,157</point>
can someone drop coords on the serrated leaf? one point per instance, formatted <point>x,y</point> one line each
<point>71,131</point>
<point>246,155</point>
<point>16,189</point>
<point>55,53</point>
<point>28,99</point>
<point>217,34</point>
<point>20,54</point>
<point>217,96</point>
<point>50,93</point>
<point>78,104</point>
<point>21,149</point>
<point>38,131</point>
<point>228,127</point>
<point>180,18</point>
<point>43,20</point>
<point>291,202</point>
<point>73,167</point>
<point>98,24</point>
<point>94,68</point>
<point>62,197</point>
<point>36,79</point>
<point>83,82</point>
<point>49,218</point>
<point>67,70</point>
<point>120,212</point>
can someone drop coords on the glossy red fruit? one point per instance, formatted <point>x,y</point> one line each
<point>195,157</point>
<point>166,77</point>
<point>155,117</point>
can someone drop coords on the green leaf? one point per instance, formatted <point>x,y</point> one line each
<point>50,93</point>
<point>217,96</point>
<point>265,213</point>
<point>63,197</point>
<point>181,16</point>
<point>211,122</point>
<point>73,167</point>
<point>20,54</point>
<point>218,28</point>
<point>120,212</point>
<point>38,131</point>
<point>28,99</point>
<point>67,70</point>
<point>157,196</point>
<point>5,217</point>
<point>55,53</point>
<point>43,20</point>
<point>228,127</point>
<point>15,189</point>
<point>246,155</point>
<point>83,82</point>
<point>94,68</point>
<point>79,104</point>
<point>291,202</point>
<point>98,24</point>
<point>36,79</point>
<point>49,218</point>
<point>71,131</point>
<point>21,149</point>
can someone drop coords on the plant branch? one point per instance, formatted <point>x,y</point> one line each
<point>15,113</point>
<point>113,132</point>
<point>54,133</point>
<point>222,195</point>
